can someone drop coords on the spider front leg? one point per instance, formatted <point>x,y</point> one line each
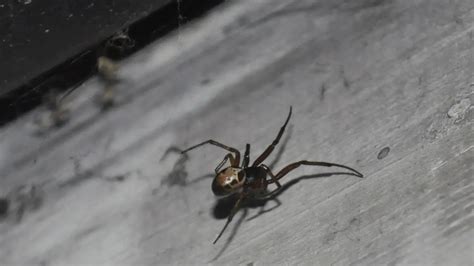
<point>246,161</point>
<point>292,166</point>
<point>220,145</point>
<point>231,215</point>
<point>227,157</point>
<point>270,148</point>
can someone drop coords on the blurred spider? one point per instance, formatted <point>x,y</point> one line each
<point>56,113</point>
<point>107,70</point>
<point>251,182</point>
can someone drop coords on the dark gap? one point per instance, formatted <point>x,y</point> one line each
<point>4,205</point>
<point>78,68</point>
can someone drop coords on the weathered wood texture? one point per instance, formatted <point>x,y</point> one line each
<point>360,75</point>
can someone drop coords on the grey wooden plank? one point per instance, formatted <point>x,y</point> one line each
<point>401,216</point>
<point>360,77</point>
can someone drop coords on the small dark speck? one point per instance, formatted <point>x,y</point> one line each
<point>118,178</point>
<point>205,81</point>
<point>250,264</point>
<point>323,91</point>
<point>354,221</point>
<point>4,205</point>
<point>345,81</point>
<point>383,153</point>
<point>347,85</point>
<point>279,83</point>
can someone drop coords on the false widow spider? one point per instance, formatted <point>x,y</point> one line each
<point>251,182</point>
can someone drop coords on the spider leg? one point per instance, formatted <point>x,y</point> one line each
<point>231,215</point>
<point>220,145</point>
<point>269,172</point>
<point>270,148</point>
<point>227,157</point>
<point>246,161</point>
<point>292,166</point>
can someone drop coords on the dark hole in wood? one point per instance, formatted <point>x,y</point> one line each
<point>383,153</point>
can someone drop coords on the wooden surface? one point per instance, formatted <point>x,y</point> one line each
<point>361,76</point>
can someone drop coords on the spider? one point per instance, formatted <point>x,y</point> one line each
<point>251,182</point>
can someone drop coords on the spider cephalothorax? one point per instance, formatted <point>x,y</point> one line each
<point>251,181</point>
<point>228,181</point>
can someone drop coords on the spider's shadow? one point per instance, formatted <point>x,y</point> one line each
<point>178,176</point>
<point>224,206</point>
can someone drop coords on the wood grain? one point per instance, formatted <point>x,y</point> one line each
<point>360,75</point>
